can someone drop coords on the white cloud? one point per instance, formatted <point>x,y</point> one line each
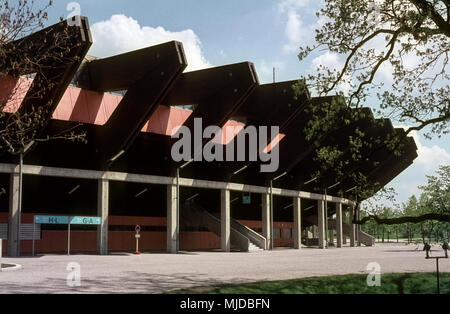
<point>328,59</point>
<point>296,31</point>
<point>430,158</point>
<point>386,73</point>
<point>121,34</point>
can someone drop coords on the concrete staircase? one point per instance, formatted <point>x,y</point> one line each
<point>254,248</point>
<point>365,238</point>
<point>242,237</point>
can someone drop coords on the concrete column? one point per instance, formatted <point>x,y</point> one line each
<point>331,235</point>
<point>339,233</point>
<point>358,227</point>
<point>265,204</point>
<point>172,220</point>
<point>314,231</point>
<point>13,219</point>
<point>321,223</point>
<point>225,220</point>
<point>344,221</point>
<point>352,226</point>
<point>103,212</point>
<point>297,231</point>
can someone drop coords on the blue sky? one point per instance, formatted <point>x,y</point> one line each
<point>265,32</point>
<point>230,31</point>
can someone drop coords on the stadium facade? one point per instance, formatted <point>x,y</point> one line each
<point>129,105</point>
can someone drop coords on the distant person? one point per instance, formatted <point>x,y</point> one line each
<point>446,248</point>
<point>427,249</point>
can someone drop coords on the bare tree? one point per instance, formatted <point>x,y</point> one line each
<point>33,61</point>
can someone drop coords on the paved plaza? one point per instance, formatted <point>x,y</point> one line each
<point>157,273</point>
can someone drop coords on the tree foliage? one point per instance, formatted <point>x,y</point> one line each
<point>20,62</point>
<point>406,39</point>
<point>430,210</point>
<point>411,38</point>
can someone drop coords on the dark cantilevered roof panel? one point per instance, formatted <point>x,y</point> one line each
<point>269,105</point>
<point>273,105</point>
<point>154,77</point>
<point>297,150</point>
<point>395,164</point>
<point>374,146</point>
<point>148,75</point>
<point>297,153</point>
<point>383,164</point>
<point>56,53</point>
<point>216,94</point>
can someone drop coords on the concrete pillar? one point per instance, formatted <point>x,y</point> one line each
<point>297,231</point>
<point>172,220</point>
<point>265,204</point>
<point>352,226</point>
<point>331,236</point>
<point>315,234</point>
<point>339,231</point>
<point>225,220</point>
<point>321,223</point>
<point>358,227</point>
<point>344,221</point>
<point>103,212</point>
<point>13,219</point>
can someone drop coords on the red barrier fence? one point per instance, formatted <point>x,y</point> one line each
<point>55,241</point>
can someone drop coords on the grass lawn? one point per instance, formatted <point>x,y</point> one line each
<point>416,283</point>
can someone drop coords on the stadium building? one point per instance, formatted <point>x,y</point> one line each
<point>129,105</point>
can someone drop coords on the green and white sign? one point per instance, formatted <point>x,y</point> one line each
<point>85,220</point>
<point>51,220</point>
<point>64,220</point>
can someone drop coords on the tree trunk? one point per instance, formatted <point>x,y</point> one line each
<point>408,231</point>
<point>423,233</point>
<point>430,233</point>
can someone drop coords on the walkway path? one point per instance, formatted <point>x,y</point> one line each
<point>156,273</point>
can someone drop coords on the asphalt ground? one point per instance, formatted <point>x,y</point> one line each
<point>157,273</point>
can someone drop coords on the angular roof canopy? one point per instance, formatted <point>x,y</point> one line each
<point>130,131</point>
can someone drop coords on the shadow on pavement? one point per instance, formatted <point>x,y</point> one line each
<point>136,283</point>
